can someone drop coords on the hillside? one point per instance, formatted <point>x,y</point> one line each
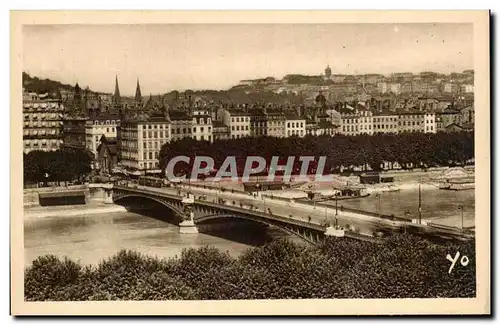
<point>35,84</point>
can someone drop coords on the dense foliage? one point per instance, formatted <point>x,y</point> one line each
<point>404,267</point>
<point>67,164</point>
<point>408,149</point>
<point>41,86</point>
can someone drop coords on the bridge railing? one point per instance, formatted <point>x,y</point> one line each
<point>226,206</point>
<point>358,211</point>
<point>259,213</point>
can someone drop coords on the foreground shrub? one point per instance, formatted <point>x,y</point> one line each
<point>50,278</point>
<point>403,267</point>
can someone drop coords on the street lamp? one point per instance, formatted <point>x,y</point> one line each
<point>379,210</point>
<point>336,204</point>
<point>461,208</point>
<point>46,175</point>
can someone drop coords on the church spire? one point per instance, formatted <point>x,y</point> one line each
<point>138,96</point>
<point>117,98</point>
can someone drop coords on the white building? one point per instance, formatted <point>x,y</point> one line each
<point>295,126</point>
<point>430,123</point>
<point>202,126</point>
<point>96,127</point>
<point>365,121</point>
<point>238,122</point>
<point>385,122</point>
<point>140,142</point>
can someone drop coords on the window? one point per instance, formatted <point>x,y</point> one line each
<point>232,127</point>
<point>145,145</point>
<point>288,124</point>
<point>150,134</point>
<point>149,127</point>
<point>150,155</point>
<point>194,129</point>
<point>112,129</point>
<point>232,119</point>
<point>156,134</point>
<point>161,134</point>
<point>144,134</point>
<point>202,137</point>
<point>246,128</point>
<point>209,128</point>
<point>201,129</point>
<point>237,127</point>
<point>145,155</point>
<point>156,126</point>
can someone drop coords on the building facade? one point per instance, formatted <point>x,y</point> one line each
<point>238,122</point>
<point>42,123</point>
<point>74,132</point>
<point>385,122</point>
<point>140,142</point>
<point>202,126</point>
<point>295,126</point>
<point>96,127</point>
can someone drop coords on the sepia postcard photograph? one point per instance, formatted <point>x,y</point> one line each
<point>250,163</point>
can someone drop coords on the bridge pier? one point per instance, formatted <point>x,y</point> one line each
<point>187,226</point>
<point>108,196</point>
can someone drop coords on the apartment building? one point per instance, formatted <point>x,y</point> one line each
<point>365,121</point>
<point>411,121</point>
<point>96,127</point>
<point>276,124</point>
<point>295,126</point>
<point>202,126</point>
<point>74,129</point>
<point>386,122</point>
<point>220,131</point>
<point>140,142</point>
<point>430,123</point>
<point>42,122</point>
<point>181,125</point>
<point>237,121</point>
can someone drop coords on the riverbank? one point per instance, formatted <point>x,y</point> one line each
<point>71,210</point>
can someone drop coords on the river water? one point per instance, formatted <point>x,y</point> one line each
<point>92,238</point>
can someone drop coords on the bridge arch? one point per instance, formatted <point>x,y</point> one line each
<point>176,209</point>
<point>289,230</point>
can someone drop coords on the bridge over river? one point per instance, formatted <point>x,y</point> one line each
<point>194,206</point>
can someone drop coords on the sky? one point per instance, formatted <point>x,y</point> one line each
<point>216,56</point>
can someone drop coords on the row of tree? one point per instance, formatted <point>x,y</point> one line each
<point>403,267</point>
<point>67,164</point>
<point>342,152</point>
